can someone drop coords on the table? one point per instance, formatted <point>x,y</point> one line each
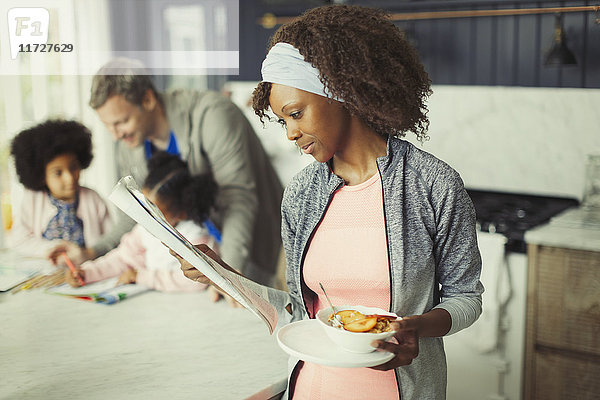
<point>151,346</point>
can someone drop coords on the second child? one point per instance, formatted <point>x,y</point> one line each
<point>185,201</point>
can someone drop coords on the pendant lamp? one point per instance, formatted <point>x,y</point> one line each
<point>559,53</point>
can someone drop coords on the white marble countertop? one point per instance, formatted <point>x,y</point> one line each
<point>576,228</point>
<point>152,346</point>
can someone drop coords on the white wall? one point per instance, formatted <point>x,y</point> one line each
<point>285,156</point>
<point>529,140</point>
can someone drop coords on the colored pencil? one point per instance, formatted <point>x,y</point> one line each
<point>73,270</point>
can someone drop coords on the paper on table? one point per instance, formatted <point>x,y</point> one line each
<point>10,277</point>
<point>103,291</point>
<point>127,196</point>
<point>16,268</point>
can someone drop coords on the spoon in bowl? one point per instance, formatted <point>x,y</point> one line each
<point>337,321</point>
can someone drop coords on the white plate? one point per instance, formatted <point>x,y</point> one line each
<point>307,341</point>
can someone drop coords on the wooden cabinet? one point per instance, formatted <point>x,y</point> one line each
<point>562,349</point>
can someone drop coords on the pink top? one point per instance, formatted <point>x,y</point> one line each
<point>36,211</point>
<point>348,255</point>
<point>156,267</point>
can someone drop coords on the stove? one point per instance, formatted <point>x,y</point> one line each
<point>512,214</point>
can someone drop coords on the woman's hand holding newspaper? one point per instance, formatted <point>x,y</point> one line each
<point>189,270</point>
<point>192,273</point>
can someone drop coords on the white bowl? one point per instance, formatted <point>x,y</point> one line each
<point>355,342</point>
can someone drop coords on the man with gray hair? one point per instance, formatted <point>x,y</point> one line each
<point>212,135</point>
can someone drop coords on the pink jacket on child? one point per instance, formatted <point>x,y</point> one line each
<point>156,267</point>
<point>36,211</point>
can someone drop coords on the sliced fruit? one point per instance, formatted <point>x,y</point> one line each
<point>349,316</point>
<point>361,325</point>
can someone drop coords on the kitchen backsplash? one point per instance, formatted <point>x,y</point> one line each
<point>529,140</point>
<point>532,140</point>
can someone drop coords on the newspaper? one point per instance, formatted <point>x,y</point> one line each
<point>128,197</point>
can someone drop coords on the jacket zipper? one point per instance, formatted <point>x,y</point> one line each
<point>309,240</point>
<point>387,238</point>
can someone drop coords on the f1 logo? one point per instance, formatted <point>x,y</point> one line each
<point>27,26</point>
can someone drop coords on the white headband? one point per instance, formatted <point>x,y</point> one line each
<point>286,66</point>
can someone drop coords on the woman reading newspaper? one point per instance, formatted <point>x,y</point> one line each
<point>376,220</point>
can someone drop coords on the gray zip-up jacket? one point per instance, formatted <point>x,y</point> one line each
<point>432,248</point>
<point>214,135</point>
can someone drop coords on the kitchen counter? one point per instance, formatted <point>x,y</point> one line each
<point>576,228</point>
<point>562,347</point>
<point>151,346</point>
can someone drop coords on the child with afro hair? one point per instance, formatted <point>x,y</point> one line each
<point>55,209</point>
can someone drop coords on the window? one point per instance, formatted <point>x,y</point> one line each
<point>38,86</point>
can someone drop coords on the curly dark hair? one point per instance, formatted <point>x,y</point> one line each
<point>195,195</point>
<point>35,147</point>
<point>364,59</point>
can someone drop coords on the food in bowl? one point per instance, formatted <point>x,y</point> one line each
<point>355,321</point>
<point>359,318</point>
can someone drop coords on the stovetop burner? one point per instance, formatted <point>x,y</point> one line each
<point>511,214</point>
